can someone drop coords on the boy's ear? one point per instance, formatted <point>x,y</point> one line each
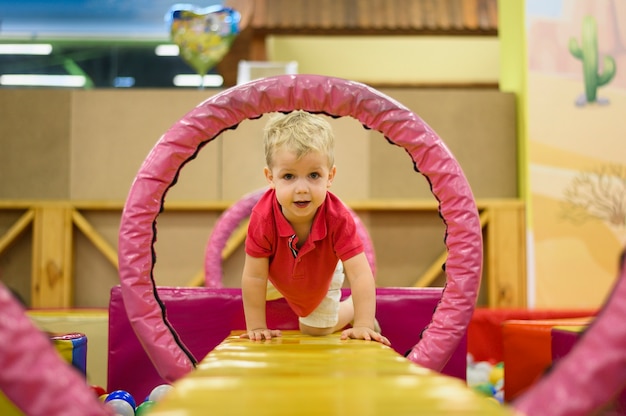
<point>331,176</point>
<point>268,176</point>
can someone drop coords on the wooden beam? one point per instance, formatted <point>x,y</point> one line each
<point>435,269</point>
<point>506,257</point>
<point>16,229</point>
<point>96,238</point>
<point>51,284</point>
<point>198,279</point>
<point>503,222</point>
<point>234,241</point>
<point>433,272</point>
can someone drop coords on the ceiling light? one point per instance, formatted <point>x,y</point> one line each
<point>167,50</point>
<point>189,80</point>
<point>25,49</point>
<point>28,80</point>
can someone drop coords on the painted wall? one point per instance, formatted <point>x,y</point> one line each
<point>576,165</point>
<point>392,59</point>
<point>571,174</point>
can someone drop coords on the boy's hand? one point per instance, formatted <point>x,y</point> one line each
<point>362,332</point>
<point>261,334</point>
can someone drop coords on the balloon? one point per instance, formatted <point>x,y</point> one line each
<point>203,35</point>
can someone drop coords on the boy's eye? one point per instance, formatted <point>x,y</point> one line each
<point>288,176</point>
<point>314,175</point>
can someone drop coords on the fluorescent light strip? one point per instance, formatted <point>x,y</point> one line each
<point>167,50</point>
<point>27,80</point>
<point>189,80</point>
<point>25,49</point>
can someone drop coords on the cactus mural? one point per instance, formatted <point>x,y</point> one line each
<point>587,52</point>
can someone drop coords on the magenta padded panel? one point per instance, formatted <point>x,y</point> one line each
<point>563,341</point>
<point>203,317</point>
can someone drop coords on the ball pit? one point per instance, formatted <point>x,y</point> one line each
<point>124,404</point>
<point>486,378</point>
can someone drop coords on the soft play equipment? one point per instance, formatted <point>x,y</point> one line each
<point>93,323</point>
<point>296,374</point>
<point>528,351</point>
<point>335,97</point>
<point>593,373</point>
<point>587,378</point>
<point>204,317</point>
<point>234,215</point>
<point>73,348</point>
<point>484,333</point>
<point>34,376</point>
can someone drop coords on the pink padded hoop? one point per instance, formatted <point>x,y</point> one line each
<point>230,220</point>
<point>317,94</point>
<point>33,376</point>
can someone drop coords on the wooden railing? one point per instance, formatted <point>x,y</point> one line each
<point>53,225</point>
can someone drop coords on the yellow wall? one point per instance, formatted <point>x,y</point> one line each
<point>393,59</point>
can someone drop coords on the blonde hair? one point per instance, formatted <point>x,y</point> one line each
<point>300,132</point>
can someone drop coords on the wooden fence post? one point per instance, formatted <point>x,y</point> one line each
<point>52,266</point>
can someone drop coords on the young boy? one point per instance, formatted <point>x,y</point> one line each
<point>298,233</point>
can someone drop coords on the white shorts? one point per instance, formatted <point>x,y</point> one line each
<point>326,314</point>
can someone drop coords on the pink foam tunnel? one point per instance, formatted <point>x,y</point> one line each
<point>230,220</point>
<point>317,94</point>
<point>33,375</point>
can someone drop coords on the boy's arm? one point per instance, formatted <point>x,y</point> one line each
<point>253,289</point>
<point>363,290</point>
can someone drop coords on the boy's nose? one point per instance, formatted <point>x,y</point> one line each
<point>301,186</point>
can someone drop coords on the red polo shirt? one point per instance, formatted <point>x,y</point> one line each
<point>303,276</point>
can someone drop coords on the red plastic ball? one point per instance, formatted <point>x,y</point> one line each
<point>98,390</point>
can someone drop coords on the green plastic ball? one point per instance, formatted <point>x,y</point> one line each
<point>144,408</point>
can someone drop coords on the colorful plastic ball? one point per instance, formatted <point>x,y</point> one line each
<point>478,373</point>
<point>484,388</point>
<point>121,407</point>
<point>159,391</point>
<point>144,408</point>
<point>122,395</point>
<point>98,390</point>
<point>499,396</point>
<point>496,374</point>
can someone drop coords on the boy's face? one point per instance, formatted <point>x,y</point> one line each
<point>300,185</point>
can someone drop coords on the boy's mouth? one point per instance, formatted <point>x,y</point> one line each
<point>301,204</point>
